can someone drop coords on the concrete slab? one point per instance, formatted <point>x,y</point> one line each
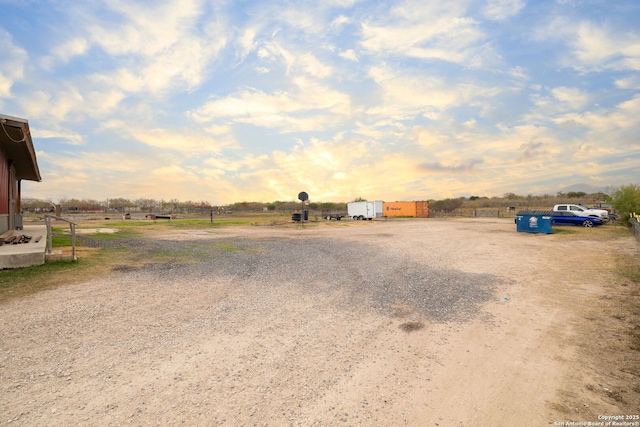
<point>25,254</point>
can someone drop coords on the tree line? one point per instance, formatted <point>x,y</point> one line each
<point>146,205</point>
<point>624,199</point>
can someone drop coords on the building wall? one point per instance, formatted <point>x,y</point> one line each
<point>4,185</point>
<point>4,193</point>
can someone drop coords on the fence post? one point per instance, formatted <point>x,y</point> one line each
<point>47,220</point>
<point>72,226</point>
<point>73,241</point>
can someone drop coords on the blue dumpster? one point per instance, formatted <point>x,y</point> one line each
<point>534,221</point>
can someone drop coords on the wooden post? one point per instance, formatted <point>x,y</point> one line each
<point>73,241</point>
<point>47,220</point>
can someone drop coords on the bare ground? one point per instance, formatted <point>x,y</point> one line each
<point>315,326</point>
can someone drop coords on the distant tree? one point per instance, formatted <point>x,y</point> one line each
<point>36,205</point>
<point>446,205</point>
<point>71,205</point>
<point>172,205</point>
<point>359,199</point>
<point>576,194</point>
<point>247,207</point>
<point>626,199</point>
<point>329,206</point>
<point>119,204</point>
<point>187,207</point>
<point>146,205</point>
<point>600,196</point>
<point>512,196</point>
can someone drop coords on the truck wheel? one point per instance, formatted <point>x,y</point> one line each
<point>587,223</point>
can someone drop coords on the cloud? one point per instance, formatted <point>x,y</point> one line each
<point>281,109</point>
<point>142,28</point>
<point>452,168</point>
<point>623,116</point>
<point>532,150</point>
<point>428,30</point>
<point>183,141</point>
<point>594,47</point>
<point>571,98</point>
<point>560,100</point>
<point>519,72</point>
<point>339,22</point>
<point>151,47</point>
<point>12,63</point>
<point>408,93</point>
<point>66,51</point>
<point>499,10</point>
<point>630,82</point>
<point>349,54</point>
<point>246,41</point>
<point>69,137</point>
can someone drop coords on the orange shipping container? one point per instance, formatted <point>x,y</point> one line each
<point>412,209</point>
<point>422,209</point>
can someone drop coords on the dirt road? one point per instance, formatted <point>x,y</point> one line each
<point>416,322</point>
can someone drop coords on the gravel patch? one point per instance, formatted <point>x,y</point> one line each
<point>386,282</point>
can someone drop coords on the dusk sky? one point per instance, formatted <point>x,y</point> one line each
<point>227,101</point>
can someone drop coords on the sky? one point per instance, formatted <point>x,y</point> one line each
<point>227,101</point>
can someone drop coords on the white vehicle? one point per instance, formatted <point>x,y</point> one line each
<point>365,210</point>
<point>581,210</point>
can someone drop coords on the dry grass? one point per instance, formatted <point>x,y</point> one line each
<point>91,263</point>
<point>609,333</point>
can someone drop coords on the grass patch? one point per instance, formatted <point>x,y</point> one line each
<point>557,229</point>
<point>63,240</point>
<point>629,268</point>
<point>228,247</point>
<point>126,224</point>
<point>91,263</point>
<point>188,255</point>
<point>122,233</point>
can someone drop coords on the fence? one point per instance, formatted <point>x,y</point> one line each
<point>472,213</point>
<point>72,226</point>
<point>635,227</point>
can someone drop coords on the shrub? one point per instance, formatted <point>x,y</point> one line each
<point>626,199</point>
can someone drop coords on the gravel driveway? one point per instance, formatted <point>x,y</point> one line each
<point>264,326</point>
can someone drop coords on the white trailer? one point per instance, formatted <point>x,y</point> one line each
<point>365,210</point>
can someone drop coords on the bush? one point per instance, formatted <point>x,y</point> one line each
<point>626,199</point>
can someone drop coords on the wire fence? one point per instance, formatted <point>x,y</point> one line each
<point>635,227</point>
<point>473,213</point>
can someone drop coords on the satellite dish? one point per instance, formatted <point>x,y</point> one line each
<point>303,196</point>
